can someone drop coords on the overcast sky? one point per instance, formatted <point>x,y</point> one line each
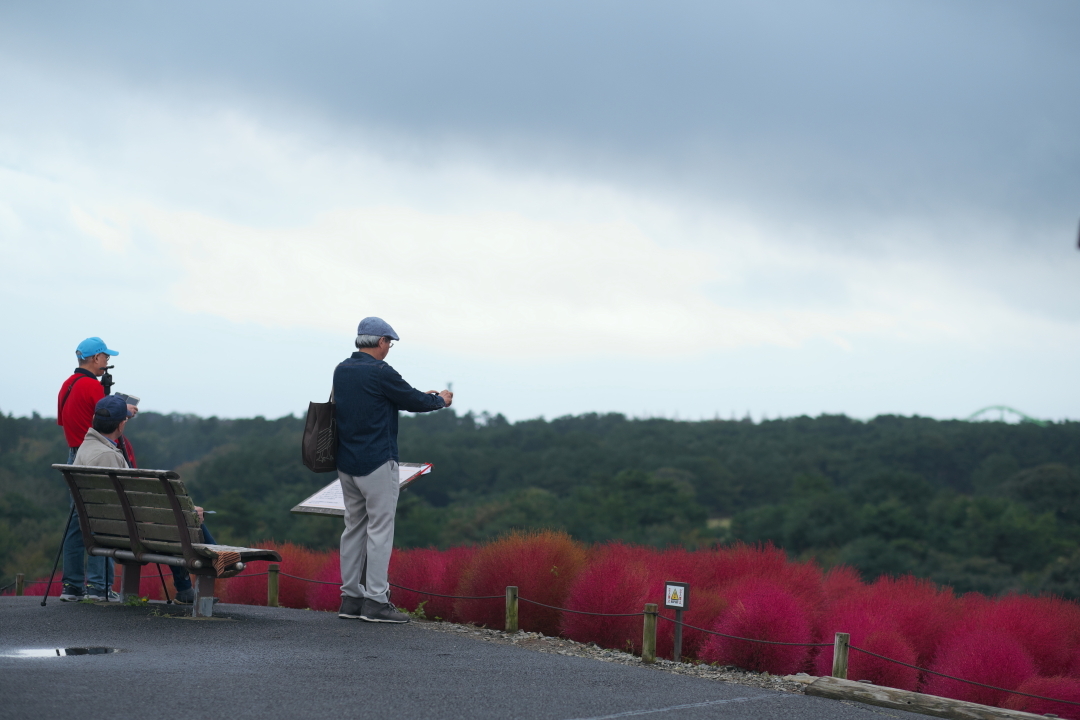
<point>674,209</point>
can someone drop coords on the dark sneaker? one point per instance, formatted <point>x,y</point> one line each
<point>382,612</point>
<point>70,593</point>
<point>187,597</point>
<point>99,595</point>
<point>350,607</point>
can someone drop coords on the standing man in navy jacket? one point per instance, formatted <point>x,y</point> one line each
<point>367,396</point>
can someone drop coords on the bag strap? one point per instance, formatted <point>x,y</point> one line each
<point>81,373</point>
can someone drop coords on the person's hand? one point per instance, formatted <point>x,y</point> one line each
<point>447,396</point>
<point>199,512</point>
<point>133,410</point>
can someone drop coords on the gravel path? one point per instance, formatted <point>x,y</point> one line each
<point>562,646</point>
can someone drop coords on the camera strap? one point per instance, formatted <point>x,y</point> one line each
<point>81,373</point>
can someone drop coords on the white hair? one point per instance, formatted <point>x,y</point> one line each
<point>367,341</point>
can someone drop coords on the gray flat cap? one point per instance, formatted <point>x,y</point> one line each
<point>376,326</point>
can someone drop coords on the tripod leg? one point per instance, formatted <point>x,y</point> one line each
<point>56,563</point>
<point>168,600</point>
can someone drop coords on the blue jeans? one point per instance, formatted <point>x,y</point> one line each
<point>79,569</point>
<point>181,580</point>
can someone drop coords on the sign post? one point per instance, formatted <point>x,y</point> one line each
<point>677,598</point>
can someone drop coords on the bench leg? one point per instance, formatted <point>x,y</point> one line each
<point>204,597</point>
<point>129,583</point>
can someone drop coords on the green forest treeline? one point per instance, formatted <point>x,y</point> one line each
<point>990,507</point>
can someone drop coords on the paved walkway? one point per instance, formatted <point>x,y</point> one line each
<point>255,662</point>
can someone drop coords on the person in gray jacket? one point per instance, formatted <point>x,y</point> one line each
<point>100,449</point>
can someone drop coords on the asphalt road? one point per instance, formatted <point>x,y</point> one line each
<point>254,662</point>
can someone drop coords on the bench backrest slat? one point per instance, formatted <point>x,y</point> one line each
<point>147,531</point>
<point>146,485</point>
<point>135,513</point>
<point>142,514</point>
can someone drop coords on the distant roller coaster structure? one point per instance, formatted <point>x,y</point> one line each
<point>981,415</point>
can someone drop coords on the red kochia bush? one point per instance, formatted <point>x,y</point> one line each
<point>764,610</point>
<point>920,610</point>
<point>731,564</point>
<point>614,581</point>
<point>452,567</point>
<point>984,655</point>
<point>321,596</point>
<point>872,628</point>
<point>296,560</point>
<point>1062,688</point>
<point>542,565</point>
<point>840,582</point>
<point>37,588</point>
<point>1047,627</point>
<point>414,569</point>
<point>695,569</point>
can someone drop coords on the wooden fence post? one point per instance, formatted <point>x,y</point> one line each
<point>511,609</point>
<point>272,585</point>
<point>840,655</point>
<point>20,584</point>
<point>648,635</point>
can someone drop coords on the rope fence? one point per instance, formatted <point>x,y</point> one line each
<point>735,637</point>
<point>650,614</point>
<point>970,682</point>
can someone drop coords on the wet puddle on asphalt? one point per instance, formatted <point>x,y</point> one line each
<point>56,652</point>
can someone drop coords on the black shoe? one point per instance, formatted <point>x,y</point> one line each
<point>350,607</point>
<point>101,595</point>
<point>187,597</point>
<point>70,593</point>
<point>382,612</point>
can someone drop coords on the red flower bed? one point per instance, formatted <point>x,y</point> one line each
<point>415,569</point>
<point>984,655</point>
<point>1062,688</point>
<point>615,581</point>
<point>871,627</point>
<point>761,609</point>
<point>1046,627</point>
<point>921,611</point>
<point>454,562</point>
<point>321,596</point>
<point>542,565</point>
<point>38,587</point>
<point>249,587</point>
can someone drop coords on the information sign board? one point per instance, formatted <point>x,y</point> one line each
<point>676,596</point>
<point>330,500</point>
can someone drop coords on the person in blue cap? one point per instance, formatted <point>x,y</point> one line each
<point>368,394</point>
<point>84,577</point>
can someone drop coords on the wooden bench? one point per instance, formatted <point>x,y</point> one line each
<point>146,516</point>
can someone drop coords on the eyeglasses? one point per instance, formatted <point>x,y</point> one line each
<point>390,343</point>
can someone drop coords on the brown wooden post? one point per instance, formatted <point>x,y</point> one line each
<point>511,608</point>
<point>648,635</point>
<point>20,584</point>
<point>272,585</point>
<point>840,655</point>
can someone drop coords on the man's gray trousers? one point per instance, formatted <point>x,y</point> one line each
<point>370,506</point>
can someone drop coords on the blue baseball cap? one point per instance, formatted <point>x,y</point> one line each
<point>112,407</point>
<point>91,346</point>
<point>376,326</point>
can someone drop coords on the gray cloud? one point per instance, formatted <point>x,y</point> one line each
<point>848,109</point>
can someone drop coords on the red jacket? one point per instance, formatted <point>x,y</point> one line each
<point>75,409</point>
